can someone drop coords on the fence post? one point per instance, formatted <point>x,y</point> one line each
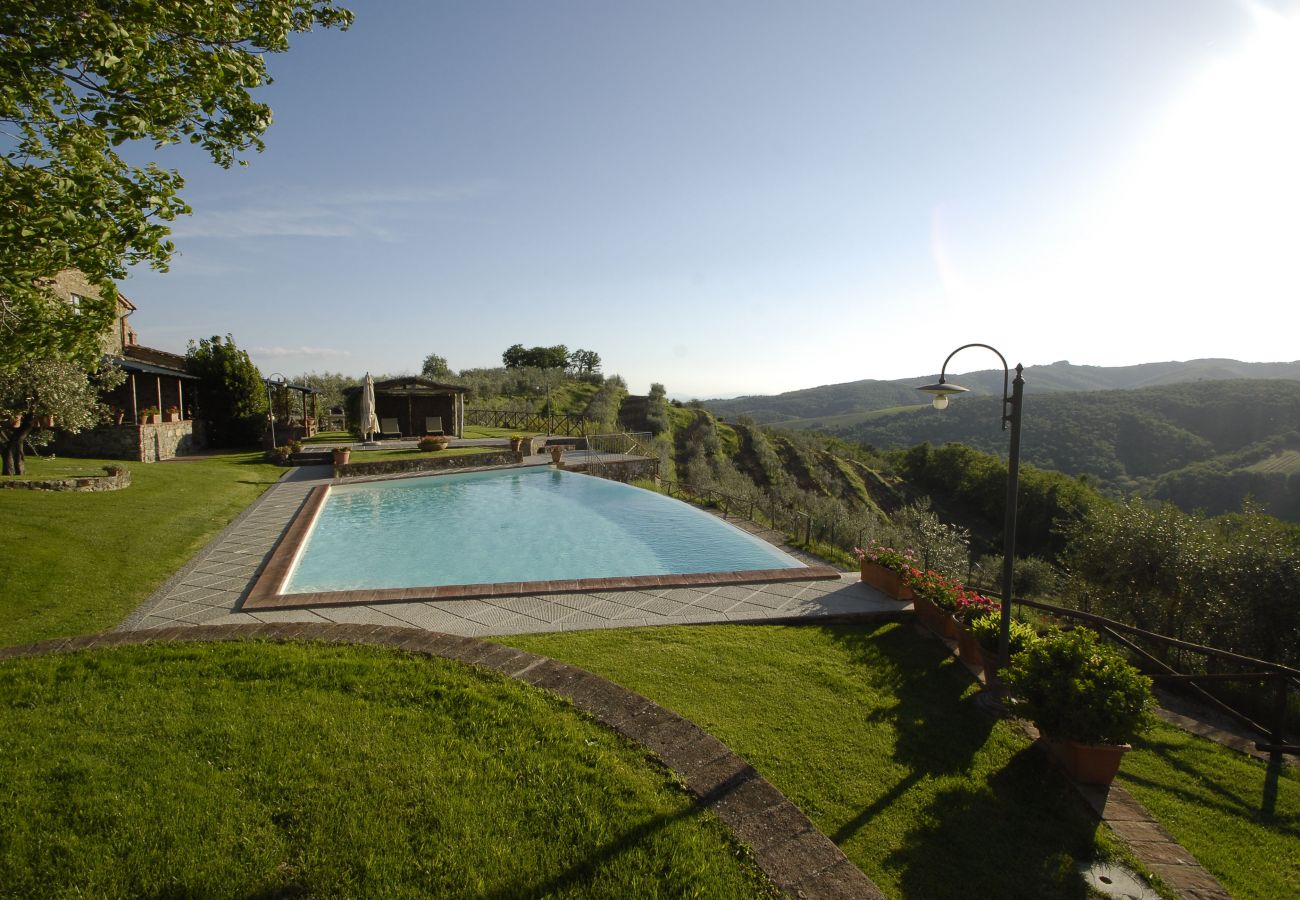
<point>1278,737</point>
<point>807,529</point>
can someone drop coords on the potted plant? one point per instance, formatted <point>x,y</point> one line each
<point>342,455</point>
<point>434,442</point>
<point>173,414</point>
<point>280,455</point>
<point>557,454</point>
<point>517,442</point>
<point>971,606</point>
<point>886,569</point>
<point>987,632</point>
<point>936,601</point>
<point>149,415</point>
<point>1087,700</point>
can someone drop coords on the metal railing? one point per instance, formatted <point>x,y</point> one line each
<point>524,420</point>
<point>1283,679</point>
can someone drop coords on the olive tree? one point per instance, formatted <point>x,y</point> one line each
<point>78,81</point>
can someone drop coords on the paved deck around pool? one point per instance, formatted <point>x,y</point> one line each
<point>210,590</point>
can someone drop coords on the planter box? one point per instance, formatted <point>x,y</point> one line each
<point>1087,763</point>
<point>935,619</point>
<point>887,581</point>
<point>969,648</point>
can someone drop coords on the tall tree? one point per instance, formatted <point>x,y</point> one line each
<point>585,362</point>
<point>231,394</point>
<point>435,367</point>
<point>80,78</point>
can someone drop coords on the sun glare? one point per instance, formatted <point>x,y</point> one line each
<point>1193,248</point>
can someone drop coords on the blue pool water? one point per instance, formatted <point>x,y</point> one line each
<point>535,524</point>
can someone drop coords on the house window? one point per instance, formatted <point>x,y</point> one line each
<point>75,300</point>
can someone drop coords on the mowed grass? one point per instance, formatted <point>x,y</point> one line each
<point>872,731</point>
<point>75,563</point>
<point>243,769</point>
<point>1240,819</point>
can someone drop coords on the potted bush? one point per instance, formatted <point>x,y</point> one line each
<point>517,442</point>
<point>149,415</point>
<point>936,601</point>
<point>342,455</point>
<point>432,442</point>
<point>987,632</point>
<point>173,414</point>
<point>1087,700</point>
<point>886,569</point>
<point>280,455</point>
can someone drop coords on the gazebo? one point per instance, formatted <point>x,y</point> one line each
<point>414,402</point>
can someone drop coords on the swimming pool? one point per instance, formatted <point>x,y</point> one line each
<point>517,526</point>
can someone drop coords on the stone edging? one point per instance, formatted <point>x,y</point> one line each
<point>82,484</point>
<point>793,854</point>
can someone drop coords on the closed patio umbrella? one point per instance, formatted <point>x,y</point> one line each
<point>369,424</point>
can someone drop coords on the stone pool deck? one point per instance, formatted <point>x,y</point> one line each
<point>213,587</point>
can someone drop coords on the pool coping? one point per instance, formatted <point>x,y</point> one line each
<point>265,592</point>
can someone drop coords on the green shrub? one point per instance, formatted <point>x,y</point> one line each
<point>987,630</point>
<point>1075,688</point>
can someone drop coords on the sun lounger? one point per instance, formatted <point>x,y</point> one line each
<point>433,425</point>
<point>389,428</point>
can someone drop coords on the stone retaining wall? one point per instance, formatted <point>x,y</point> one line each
<point>425,464</point>
<point>140,443</point>
<point>85,484</point>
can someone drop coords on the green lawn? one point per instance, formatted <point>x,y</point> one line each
<point>39,467</point>
<point>1214,801</point>
<point>265,770</point>
<point>872,732</point>
<point>74,563</point>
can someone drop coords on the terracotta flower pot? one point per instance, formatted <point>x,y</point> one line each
<point>885,580</point>
<point>341,457</point>
<point>969,648</point>
<point>557,454</point>
<point>1087,763</point>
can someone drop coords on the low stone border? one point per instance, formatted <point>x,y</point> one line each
<point>426,464</point>
<point>798,858</point>
<point>83,484</point>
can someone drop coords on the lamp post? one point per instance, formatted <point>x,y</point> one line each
<point>277,379</point>
<point>1012,405</point>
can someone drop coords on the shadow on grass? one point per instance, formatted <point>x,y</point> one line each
<point>584,871</point>
<point>1018,836</point>
<point>1229,802</point>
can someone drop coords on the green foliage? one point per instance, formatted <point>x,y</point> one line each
<point>516,357</point>
<point>435,368</point>
<point>656,414</point>
<point>81,80</point>
<point>987,630</point>
<point>1232,582</point>
<point>54,387</point>
<point>976,483</point>
<point>1129,440</point>
<point>231,393</point>
<point>1075,688</point>
<point>603,407</point>
<point>331,386</point>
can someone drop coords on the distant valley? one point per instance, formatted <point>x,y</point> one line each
<point>1204,434</point>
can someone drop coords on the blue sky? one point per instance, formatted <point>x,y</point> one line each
<point>752,197</point>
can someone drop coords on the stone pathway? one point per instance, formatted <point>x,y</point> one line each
<point>211,589</point>
<point>793,854</point>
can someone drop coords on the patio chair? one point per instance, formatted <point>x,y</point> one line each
<point>389,428</point>
<point>433,425</point>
